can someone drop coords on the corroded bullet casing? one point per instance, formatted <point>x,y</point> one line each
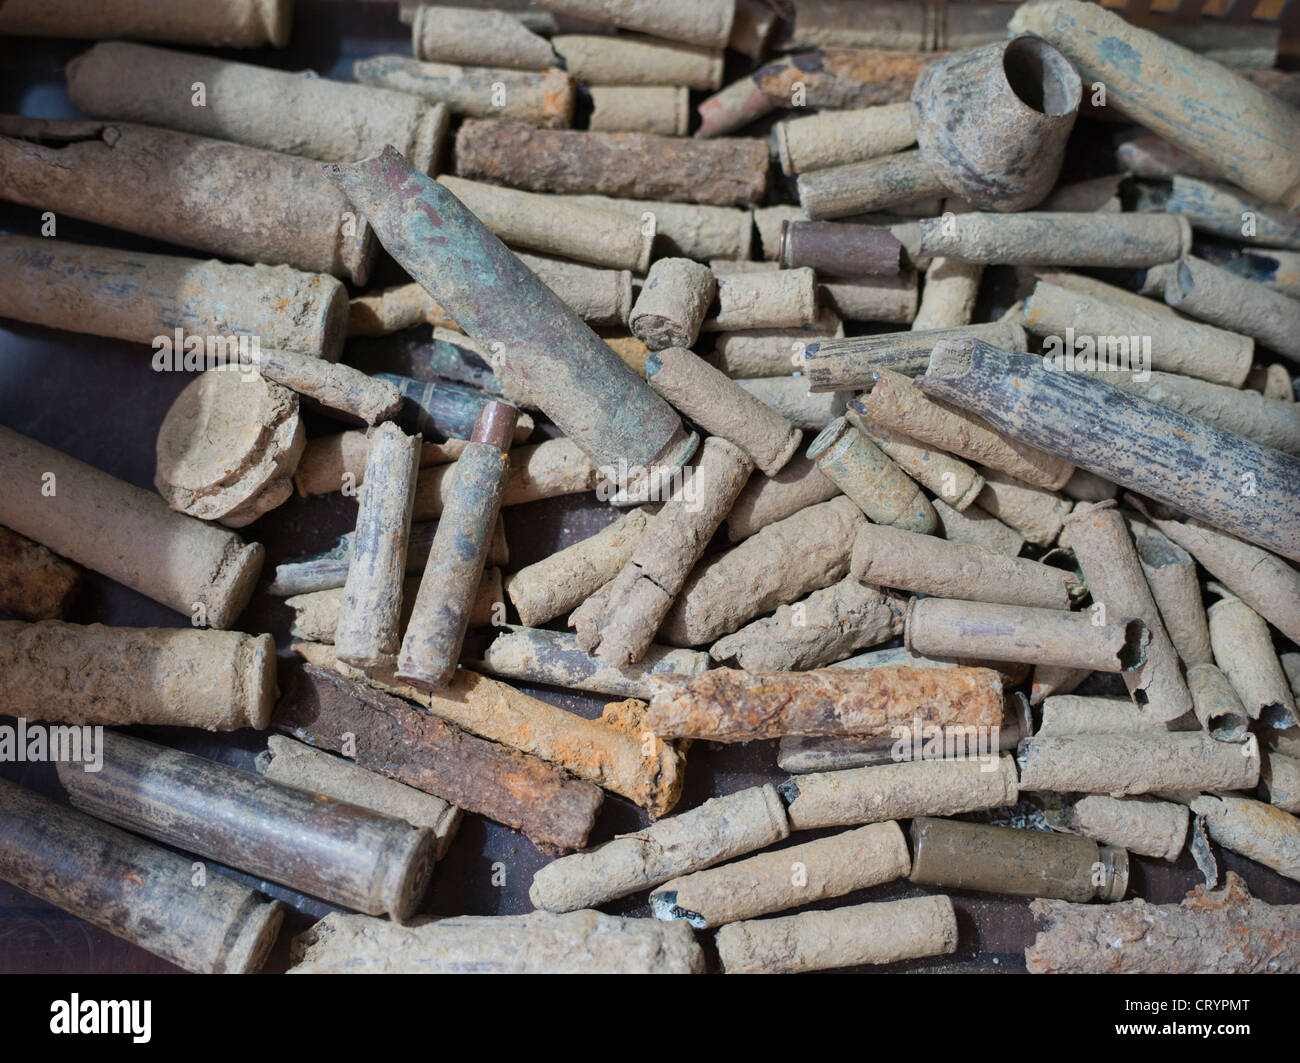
<point>543,346</point>
<point>1171,574</point>
<point>1131,441</point>
<point>298,113</point>
<point>442,408</point>
<point>35,583</point>
<point>132,888</point>
<point>331,385</point>
<point>992,122</point>
<point>131,295</point>
<point>868,186</point>
<point>706,23</point>
<point>833,138</point>
<point>863,472</point>
<point>1142,825</point>
<point>1217,706</point>
<point>839,248</point>
<point>1027,863</point>
<point>768,499</point>
<point>431,646</point>
<point>596,59</point>
<point>1261,832</point>
<point>484,38</point>
<point>226,23</point>
<point>226,199</point>
<point>128,534</point>
<point>789,396</point>
<point>674,299</point>
<point>1057,238</point>
<point>330,849</point>
<point>1239,304</point>
<point>664,110</point>
<point>1136,763</point>
<point>1210,206</point>
<point>178,677</point>
<point>1243,648</point>
<point>949,478</point>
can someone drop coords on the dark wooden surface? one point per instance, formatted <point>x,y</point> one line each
<point>99,401</point>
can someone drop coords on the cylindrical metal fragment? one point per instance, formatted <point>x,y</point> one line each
<point>786,878</point>
<point>868,186</point>
<point>725,172</point>
<point>1036,514</point>
<point>884,932</point>
<point>771,352</point>
<point>689,230</point>
<point>722,407</point>
<point>35,583</point>
<point>1119,764</point>
<point>484,38</point>
<point>706,23</point>
<point>345,854</point>
<point>368,624</point>
<point>948,294</point>
<point>541,97</point>
<point>1228,932</point>
<point>840,364</point>
<point>945,627</point>
<point>1141,825</point>
<point>1057,239</point>
<point>543,470</point>
<point>664,110</point>
<point>976,527</point>
<point>1130,336</point>
<point>950,478</point>
<point>839,248</point>
<point>338,387</point>
<point>866,475</point>
<point>1242,131</point>
<point>125,533</point>
<point>1243,648</point>
<point>594,59</point>
<point>1108,558</point>
<point>1217,706</point>
<point>559,583</point>
<point>619,621</point>
<point>536,655</point>
<point>674,298</point>
<point>922,564</point>
<point>304,767</point>
<point>1212,294</point>
<point>178,677</point>
<point>328,462</point>
<point>1078,714</point>
<point>554,226</point>
<point>1159,452</point>
<point>544,347</point>
<point>992,122</point>
<point>431,645</point>
<point>782,562</point>
<point>316,613</point>
<point>135,890</point>
<point>550,807</point>
<point>896,402</point>
<point>536,943</point>
<point>899,791</point>
<point>789,396</point>
<point>227,23</point>
<point>765,299</point>
<point>824,627</point>
<point>135,296</point>
<point>719,829</point>
<point>1279,781</point>
<point>1261,832</point>
<point>729,705</point>
<point>833,138</point>
<point>1025,863</point>
<point>1210,206</point>
<point>297,113</point>
<point>1260,579</point>
<point>226,199</point>
<point>1171,574</point>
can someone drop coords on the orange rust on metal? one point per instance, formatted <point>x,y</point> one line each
<point>730,705</point>
<point>35,583</point>
<point>844,77</point>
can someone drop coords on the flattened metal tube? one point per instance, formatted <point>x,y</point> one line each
<point>135,890</point>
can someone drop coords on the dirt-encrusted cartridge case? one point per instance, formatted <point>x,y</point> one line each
<point>537,943</point>
<point>1236,303</point>
<point>664,110</point>
<point>226,199</point>
<point>1216,703</point>
<point>297,113</point>
<point>1212,932</point>
<point>224,24</point>
<point>1261,832</point>
<point>125,533</point>
<point>1136,763</point>
<point>767,499</point>
<point>1052,238</point>
<point>550,807</point>
<point>331,385</point>
<point>730,705</point>
<point>598,59</point>
<point>1243,648</point>
<point>485,38</point>
<point>867,475</point>
<point>178,677</point>
<point>1131,441</point>
<point>833,138</point>
<point>436,631</point>
<point>719,829</point>
<point>884,932</point>
<point>674,299</point>
<point>840,249</point>
<point>343,853</point>
<point>727,172</point>
<point>132,888</point>
<point>1239,129</point>
<point>785,878</point>
<point>869,186</point>
<point>131,295</point>
<point>1142,825</point>
<point>576,379</point>
<point>992,122</point>
<point>1026,863</point>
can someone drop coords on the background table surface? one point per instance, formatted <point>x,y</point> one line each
<point>98,400</point>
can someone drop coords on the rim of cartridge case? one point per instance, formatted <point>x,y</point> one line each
<point>407,872</point>
<point>1115,867</point>
<point>823,447</point>
<point>495,425</point>
<point>257,935</point>
<point>653,480</point>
